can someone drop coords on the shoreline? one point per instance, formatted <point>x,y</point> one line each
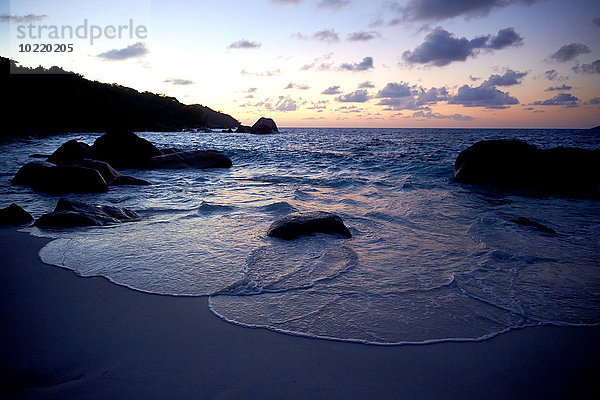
<point>67,336</point>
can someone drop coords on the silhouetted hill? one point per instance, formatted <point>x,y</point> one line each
<point>47,101</point>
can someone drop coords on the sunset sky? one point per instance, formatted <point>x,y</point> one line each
<point>405,63</point>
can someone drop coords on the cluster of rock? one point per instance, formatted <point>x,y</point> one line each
<point>513,164</point>
<point>76,167</point>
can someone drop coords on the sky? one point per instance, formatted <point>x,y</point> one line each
<point>333,63</point>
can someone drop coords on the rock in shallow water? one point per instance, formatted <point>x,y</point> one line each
<point>532,224</point>
<point>124,149</point>
<point>307,223</point>
<point>518,165</point>
<point>74,213</point>
<point>264,126</point>
<point>14,215</point>
<point>191,159</point>
<point>47,177</point>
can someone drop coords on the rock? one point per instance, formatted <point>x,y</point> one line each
<point>243,129</point>
<point>14,215</point>
<point>226,130</point>
<point>39,155</point>
<point>170,150</point>
<point>47,177</point>
<point>127,180</point>
<point>191,159</point>
<point>107,172</point>
<point>527,222</point>
<point>74,213</point>
<point>124,149</point>
<point>511,164</point>
<point>306,223</point>
<point>264,126</point>
<point>70,151</point>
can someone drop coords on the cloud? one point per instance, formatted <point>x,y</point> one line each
<point>135,50</point>
<point>561,99</point>
<point>506,37</point>
<point>325,35</point>
<point>244,44</point>
<point>333,4</point>
<point>441,47</point>
<point>250,90</point>
<point>362,36</point>
<point>292,85</point>
<point>364,65</point>
<point>366,85</point>
<point>319,63</point>
<point>22,19</point>
<point>402,96</point>
<point>569,52</point>
<point>286,104</point>
<point>593,101</point>
<point>509,78</point>
<point>266,73</point>
<point>179,81</point>
<point>436,10</point>
<point>358,96</point>
<point>482,96</point>
<point>562,87</point>
<point>394,91</point>
<point>552,75</point>
<point>596,21</point>
<point>432,115</point>
<point>593,68</point>
<point>332,90</point>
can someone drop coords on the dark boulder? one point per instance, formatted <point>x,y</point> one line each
<point>74,213</point>
<point>264,126</point>
<point>40,155</point>
<point>47,177</point>
<point>69,152</point>
<point>512,164</point>
<point>124,149</point>
<point>14,215</point>
<point>170,150</point>
<point>191,159</point>
<point>532,224</point>
<point>107,172</point>
<point>128,180</point>
<point>226,130</point>
<point>243,129</point>
<point>306,223</point>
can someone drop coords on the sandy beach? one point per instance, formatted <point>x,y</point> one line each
<point>67,337</point>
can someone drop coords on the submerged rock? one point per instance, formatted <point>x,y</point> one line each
<point>74,213</point>
<point>14,215</point>
<point>47,177</point>
<point>307,223</point>
<point>243,129</point>
<point>527,222</point>
<point>128,180</point>
<point>264,126</point>
<point>191,159</point>
<point>124,149</point>
<point>518,165</point>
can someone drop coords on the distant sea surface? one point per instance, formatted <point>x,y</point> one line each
<point>429,260</point>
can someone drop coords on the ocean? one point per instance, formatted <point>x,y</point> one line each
<point>430,259</point>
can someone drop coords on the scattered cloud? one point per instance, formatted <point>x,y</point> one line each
<point>332,90</point>
<point>266,73</point>
<point>402,96</point>
<point>436,10</point>
<point>474,78</point>
<point>552,75</point>
<point>244,44</point>
<point>286,104</point>
<point>333,4</point>
<point>358,96</point>
<point>569,52</point>
<point>364,65</point>
<point>250,90</point>
<point>593,68</point>
<point>509,78</point>
<point>174,81</point>
<point>562,87</point>
<point>292,85</point>
<point>441,47</point>
<point>325,35</point>
<point>561,99</point>
<point>366,85</point>
<point>395,90</point>
<point>362,36</point>
<point>319,63</point>
<point>482,96</point>
<point>593,101</point>
<point>135,50</point>
<point>21,19</point>
<point>432,115</point>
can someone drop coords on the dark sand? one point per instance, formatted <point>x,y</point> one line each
<point>67,337</point>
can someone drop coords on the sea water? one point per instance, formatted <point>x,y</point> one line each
<point>429,259</point>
